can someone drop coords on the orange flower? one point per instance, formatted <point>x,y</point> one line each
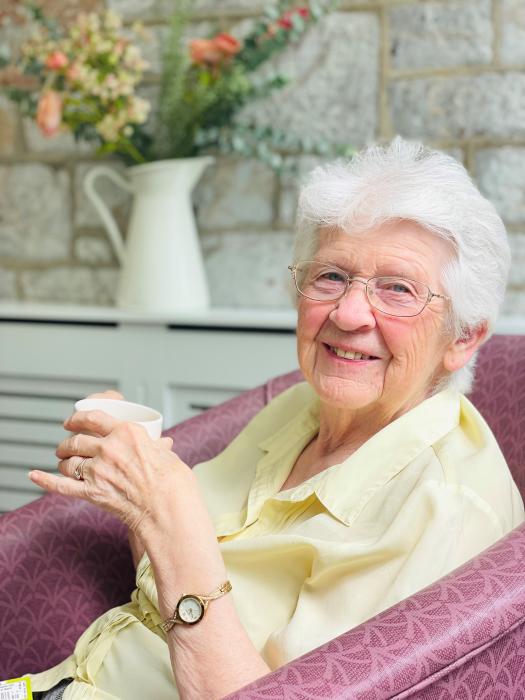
<point>227,44</point>
<point>56,60</point>
<point>205,52</point>
<point>211,52</point>
<point>49,113</point>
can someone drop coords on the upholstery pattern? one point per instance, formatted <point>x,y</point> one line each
<point>499,395</point>
<point>446,641</point>
<point>63,563</point>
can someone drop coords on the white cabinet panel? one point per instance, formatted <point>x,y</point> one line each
<point>188,401</point>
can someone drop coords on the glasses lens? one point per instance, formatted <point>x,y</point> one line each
<point>320,282</point>
<point>397,296</point>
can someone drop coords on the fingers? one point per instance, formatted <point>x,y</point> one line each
<point>165,442</point>
<point>75,467</point>
<point>78,445</point>
<point>56,484</point>
<point>91,422</point>
<point>109,394</point>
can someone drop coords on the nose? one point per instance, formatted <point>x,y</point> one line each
<point>353,310</point>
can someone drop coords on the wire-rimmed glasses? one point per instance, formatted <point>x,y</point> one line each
<point>394,296</point>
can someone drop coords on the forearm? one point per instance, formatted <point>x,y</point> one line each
<point>215,656</point>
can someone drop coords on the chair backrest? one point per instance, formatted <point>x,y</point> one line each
<point>499,395</point>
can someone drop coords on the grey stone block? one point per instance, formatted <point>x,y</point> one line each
<point>218,7</point>
<point>291,181</point>
<point>249,269</point>
<point>141,9</point>
<point>333,83</point>
<point>439,35</point>
<point>492,104</point>
<point>62,142</point>
<point>517,270</point>
<point>7,284</point>
<point>8,126</point>
<point>74,285</point>
<point>116,198</point>
<point>93,251</point>
<point>35,218</point>
<point>500,173</point>
<point>235,193</point>
<point>512,47</point>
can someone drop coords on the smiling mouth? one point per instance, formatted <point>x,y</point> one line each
<point>348,354</point>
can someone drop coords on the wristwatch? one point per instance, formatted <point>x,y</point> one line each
<point>191,607</point>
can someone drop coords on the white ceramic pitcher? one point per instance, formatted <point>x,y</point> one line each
<point>162,265</point>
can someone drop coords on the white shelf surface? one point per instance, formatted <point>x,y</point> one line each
<point>284,319</point>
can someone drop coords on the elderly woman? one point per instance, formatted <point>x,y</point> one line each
<point>347,492</point>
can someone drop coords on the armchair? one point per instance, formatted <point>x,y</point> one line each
<point>62,563</point>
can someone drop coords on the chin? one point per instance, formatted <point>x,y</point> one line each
<point>342,393</point>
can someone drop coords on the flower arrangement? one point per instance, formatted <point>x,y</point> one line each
<point>84,79</point>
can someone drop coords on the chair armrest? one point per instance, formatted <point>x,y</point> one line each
<point>433,638</point>
<point>63,563</point>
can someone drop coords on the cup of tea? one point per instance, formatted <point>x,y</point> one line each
<point>127,411</point>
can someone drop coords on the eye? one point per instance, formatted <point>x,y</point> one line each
<point>332,276</point>
<point>399,288</point>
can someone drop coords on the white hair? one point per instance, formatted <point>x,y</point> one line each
<point>408,181</point>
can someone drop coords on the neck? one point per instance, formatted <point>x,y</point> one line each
<point>343,430</point>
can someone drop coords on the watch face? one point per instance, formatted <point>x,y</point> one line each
<point>190,610</point>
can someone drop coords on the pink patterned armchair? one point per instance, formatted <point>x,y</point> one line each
<point>62,563</point>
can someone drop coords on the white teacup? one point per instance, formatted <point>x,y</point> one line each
<point>149,418</point>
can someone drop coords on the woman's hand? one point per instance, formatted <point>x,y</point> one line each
<point>124,470</point>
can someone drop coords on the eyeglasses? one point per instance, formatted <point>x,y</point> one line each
<point>394,296</point>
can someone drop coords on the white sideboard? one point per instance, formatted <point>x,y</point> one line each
<point>50,356</point>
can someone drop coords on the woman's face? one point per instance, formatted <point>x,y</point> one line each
<point>407,354</point>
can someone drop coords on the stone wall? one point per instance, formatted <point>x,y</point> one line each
<point>448,72</point>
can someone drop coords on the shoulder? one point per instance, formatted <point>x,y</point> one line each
<point>473,467</point>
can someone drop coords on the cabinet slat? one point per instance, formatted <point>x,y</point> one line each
<point>16,479</point>
<point>28,456</point>
<point>40,409</point>
<point>29,432</point>
<point>69,389</point>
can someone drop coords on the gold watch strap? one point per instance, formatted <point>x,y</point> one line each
<point>205,599</point>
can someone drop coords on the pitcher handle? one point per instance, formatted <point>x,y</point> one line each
<point>114,233</point>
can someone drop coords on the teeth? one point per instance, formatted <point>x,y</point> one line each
<point>349,355</point>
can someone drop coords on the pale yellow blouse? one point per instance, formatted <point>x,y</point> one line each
<point>422,496</point>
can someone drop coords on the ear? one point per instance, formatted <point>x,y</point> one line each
<point>461,350</point>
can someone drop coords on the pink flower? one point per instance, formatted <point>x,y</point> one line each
<point>286,21</point>
<point>49,113</point>
<point>56,60</point>
<point>73,72</point>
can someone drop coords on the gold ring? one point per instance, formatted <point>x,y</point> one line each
<point>79,470</point>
